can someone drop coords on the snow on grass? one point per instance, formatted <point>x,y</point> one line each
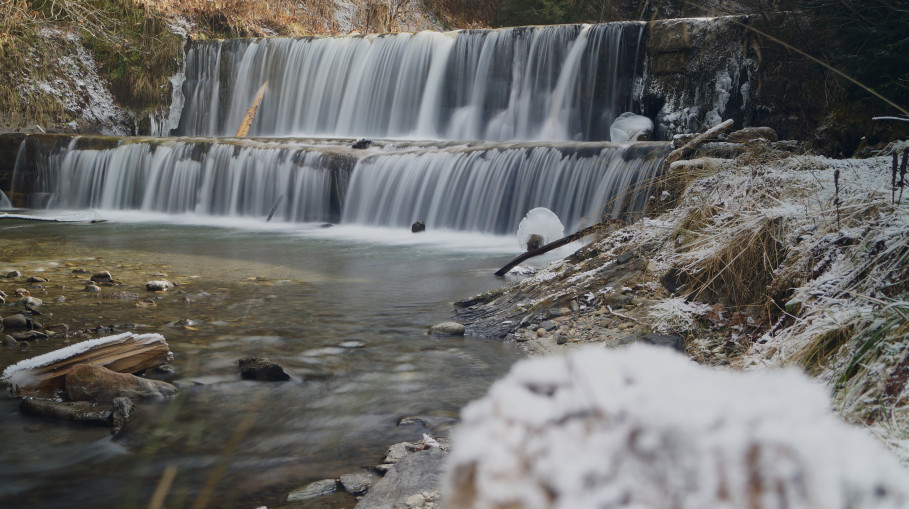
<point>645,427</point>
<point>676,315</point>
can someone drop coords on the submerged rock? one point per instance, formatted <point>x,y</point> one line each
<point>94,383</point>
<point>83,412</point>
<point>447,329</point>
<point>313,490</point>
<point>118,295</point>
<point>122,411</point>
<point>92,288</point>
<point>262,369</point>
<point>19,321</point>
<point>13,274</point>
<point>35,279</point>
<point>10,342</point>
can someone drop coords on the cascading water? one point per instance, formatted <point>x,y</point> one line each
<point>485,188</point>
<point>550,85</point>
<point>529,83</point>
<point>490,190</point>
<point>200,177</point>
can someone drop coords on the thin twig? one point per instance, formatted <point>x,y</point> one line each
<point>626,317</point>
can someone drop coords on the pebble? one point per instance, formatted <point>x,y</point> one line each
<point>35,279</point>
<point>92,288</point>
<point>10,342</point>
<point>60,299</point>
<point>541,332</point>
<point>13,274</point>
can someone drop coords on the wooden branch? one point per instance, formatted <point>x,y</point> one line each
<point>251,113</point>
<point>620,315</point>
<point>590,230</point>
<point>44,375</point>
<point>685,149</point>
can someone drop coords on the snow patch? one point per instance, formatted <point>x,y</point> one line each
<point>645,427</point>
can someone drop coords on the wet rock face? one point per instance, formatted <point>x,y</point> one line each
<point>94,383</point>
<point>261,369</point>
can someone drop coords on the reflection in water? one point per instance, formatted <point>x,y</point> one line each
<point>345,319</point>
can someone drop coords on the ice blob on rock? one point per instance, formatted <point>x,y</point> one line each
<point>539,227</point>
<point>630,127</point>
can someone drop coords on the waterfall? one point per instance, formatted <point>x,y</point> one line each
<point>490,190</point>
<point>200,177</point>
<point>479,188</point>
<point>529,83</point>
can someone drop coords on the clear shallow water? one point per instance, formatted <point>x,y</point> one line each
<point>343,310</point>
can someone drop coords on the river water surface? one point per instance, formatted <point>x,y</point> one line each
<point>343,310</point>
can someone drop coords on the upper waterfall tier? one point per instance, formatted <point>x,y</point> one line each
<point>552,83</point>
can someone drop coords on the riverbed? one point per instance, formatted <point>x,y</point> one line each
<point>344,310</point>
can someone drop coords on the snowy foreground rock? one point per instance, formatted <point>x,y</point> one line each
<point>645,427</point>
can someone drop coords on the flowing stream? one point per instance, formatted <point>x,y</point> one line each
<point>294,245</point>
<point>346,319</point>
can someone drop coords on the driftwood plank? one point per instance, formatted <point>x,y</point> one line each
<point>44,375</point>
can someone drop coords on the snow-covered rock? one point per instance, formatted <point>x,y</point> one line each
<point>646,427</point>
<point>539,227</point>
<point>630,127</point>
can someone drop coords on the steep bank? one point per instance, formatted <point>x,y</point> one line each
<point>773,258</point>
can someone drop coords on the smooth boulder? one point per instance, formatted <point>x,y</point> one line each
<point>447,329</point>
<point>85,382</point>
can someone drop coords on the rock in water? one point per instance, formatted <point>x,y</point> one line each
<point>94,383</point>
<point>158,286</point>
<point>539,227</point>
<point>262,369</point>
<point>418,227</point>
<point>122,411</point>
<point>313,490</point>
<point>356,484</point>
<point>608,428</point>
<point>447,329</point>
<point>19,321</point>
<point>103,277</point>
<point>82,412</point>
<point>630,127</point>
<point>361,144</point>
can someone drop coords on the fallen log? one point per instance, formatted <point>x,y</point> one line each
<point>44,376</point>
<point>251,112</point>
<point>578,235</point>
<point>686,149</point>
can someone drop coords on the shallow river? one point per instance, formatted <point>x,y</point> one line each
<point>343,310</point>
